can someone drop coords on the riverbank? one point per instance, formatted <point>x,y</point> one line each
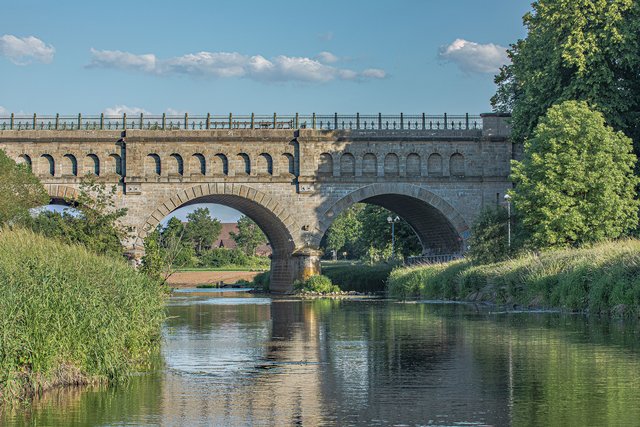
<point>191,279</point>
<point>69,317</point>
<point>602,279</point>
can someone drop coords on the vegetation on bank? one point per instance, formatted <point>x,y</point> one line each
<point>604,278</point>
<point>358,277</point>
<point>69,316</point>
<point>316,285</point>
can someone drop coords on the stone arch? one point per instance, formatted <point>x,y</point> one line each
<point>439,226</point>
<point>24,159</point>
<point>244,164</point>
<point>434,165</point>
<point>115,164</point>
<point>391,165</point>
<point>69,165</point>
<point>325,165</point>
<point>264,164</point>
<point>369,165</point>
<point>176,164</point>
<point>288,162</point>
<point>413,165</point>
<point>152,165</point>
<point>347,165</point>
<point>48,167</point>
<point>197,164</point>
<point>220,165</point>
<point>456,165</point>
<point>62,194</point>
<point>278,224</point>
<point>92,165</point>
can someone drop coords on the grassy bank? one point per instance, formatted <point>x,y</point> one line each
<point>70,317</point>
<point>357,277</point>
<point>601,279</point>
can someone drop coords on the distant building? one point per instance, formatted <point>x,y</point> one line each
<point>225,241</point>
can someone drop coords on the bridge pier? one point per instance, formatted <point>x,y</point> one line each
<point>285,270</point>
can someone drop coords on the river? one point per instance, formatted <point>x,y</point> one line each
<point>241,359</point>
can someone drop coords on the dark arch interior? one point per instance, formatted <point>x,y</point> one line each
<point>434,230</point>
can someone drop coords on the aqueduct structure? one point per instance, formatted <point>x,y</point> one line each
<point>293,179</point>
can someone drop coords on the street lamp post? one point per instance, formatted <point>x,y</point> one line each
<point>507,199</point>
<point>393,221</point>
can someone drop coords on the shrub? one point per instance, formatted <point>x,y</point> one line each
<point>358,277</point>
<point>318,284</point>
<point>262,281</point>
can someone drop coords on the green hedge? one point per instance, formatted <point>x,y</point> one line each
<point>358,277</point>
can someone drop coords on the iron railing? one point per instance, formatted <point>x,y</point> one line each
<point>360,122</point>
<point>432,259</point>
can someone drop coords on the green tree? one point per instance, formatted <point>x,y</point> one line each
<point>488,242</point>
<point>20,191</point>
<point>201,230</point>
<point>575,183</point>
<point>249,236</point>
<point>575,50</point>
<point>94,224</point>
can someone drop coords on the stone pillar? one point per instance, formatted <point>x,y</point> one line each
<point>300,265</point>
<point>308,263</point>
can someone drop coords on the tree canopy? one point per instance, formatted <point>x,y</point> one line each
<point>575,50</point>
<point>249,236</point>
<point>575,183</point>
<point>201,230</point>
<point>20,191</point>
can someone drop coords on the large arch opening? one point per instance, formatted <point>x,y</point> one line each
<point>440,229</point>
<point>266,213</point>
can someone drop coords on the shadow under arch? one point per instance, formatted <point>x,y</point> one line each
<point>62,194</point>
<point>274,220</point>
<point>440,228</point>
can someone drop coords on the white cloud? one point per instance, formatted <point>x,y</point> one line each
<point>173,112</point>
<point>232,64</point>
<point>473,57</point>
<point>118,110</point>
<point>327,57</point>
<point>327,37</point>
<point>24,50</point>
<point>374,73</point>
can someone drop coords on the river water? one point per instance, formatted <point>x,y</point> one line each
<point>239,359</point>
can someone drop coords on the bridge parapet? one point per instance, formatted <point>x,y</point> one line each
<point>437,124</point>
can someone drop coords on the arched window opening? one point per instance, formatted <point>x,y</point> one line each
<point>456,165</point>
<point>49,166</point>
<point>70,165</point>
<point>220,164</point>
<point>434,165</point>
<point>152,165</point>
<point>198,165</point>
<point>244,164</point>
<point>413,165</point>
<point>116,164</point>
<point>92,165</point>
<point>391,165</point>
<point>176,165</point>
<point>325,164</point>
<point>265,164</point>
<point>347,165</point>
<point>369,165</point>
<point>289,163</point>
<point>24,159</point>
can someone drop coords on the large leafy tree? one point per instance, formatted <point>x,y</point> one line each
<point>575,50</point>
<point>249,236</point>
<point>575,183</point>
<point>201,230</point>
<point>20,191</point>
<point>489,240</point>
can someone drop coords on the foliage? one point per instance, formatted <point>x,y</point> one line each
<point>20,191</point>
<point>201,230</point>
<point>262,281</point>
<point>70,316</point>
<point>603,278</point>
<point>96,225</point>
<point>358,277</point>
<point>317,284</point>
<point>220,257</point>
<point>249,235</point>
<point>575,183</point>
<point>363,232</point>
<point>575,50</point>
<point>489,240</point>
<point>166,251</point>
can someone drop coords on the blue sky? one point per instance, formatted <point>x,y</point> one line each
<point>253,56</point>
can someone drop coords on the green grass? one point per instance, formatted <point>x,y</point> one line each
<point>352,276</point>
<point>602,279</point>
<point>68,316</point>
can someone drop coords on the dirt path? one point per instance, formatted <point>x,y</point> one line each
<point>190,279</point>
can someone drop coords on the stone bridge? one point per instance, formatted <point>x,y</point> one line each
<point>292,180</point>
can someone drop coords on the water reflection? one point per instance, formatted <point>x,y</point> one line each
<point>242,360</point>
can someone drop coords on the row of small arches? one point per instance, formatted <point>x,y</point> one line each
<point>69,165</point>
<point>391,165</point>
<point>219,164</point>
